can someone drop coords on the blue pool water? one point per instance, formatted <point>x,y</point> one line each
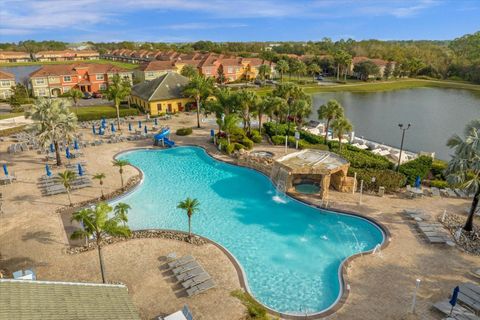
<point>290,252</point>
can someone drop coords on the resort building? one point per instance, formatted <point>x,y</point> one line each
<point>66,55</point>
<point>382,64</point>
<point>161,95</point>
<point>54,80</point>
<point>154,69</point>
<point>31,299</point>
<point>7,81</point>
<point>14,56</point>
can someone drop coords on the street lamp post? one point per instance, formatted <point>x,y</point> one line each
<point>403,128</point>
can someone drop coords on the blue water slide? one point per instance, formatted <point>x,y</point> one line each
<point>163,136</point>
<point>168,142</point>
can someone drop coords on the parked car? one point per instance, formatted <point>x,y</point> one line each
<point>97,95</point>
<point>320,78</point>
<point>87,95</point>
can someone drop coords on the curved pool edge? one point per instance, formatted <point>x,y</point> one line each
<point>342,270</point>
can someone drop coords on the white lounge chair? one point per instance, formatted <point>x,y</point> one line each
<point>202,287</point>
<point>186,267</point>
<point>180,261</point>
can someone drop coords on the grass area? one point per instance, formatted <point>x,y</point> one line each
<point>125,65</point>
<point>10,115</point>
<point>97,112</point>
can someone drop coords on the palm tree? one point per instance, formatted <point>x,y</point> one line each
<point>223,104</point>
<point>340,126</point>
<point>227,124</point>
<point>190,206</point>
<point>53,122</point>
<point>301,69</point>
<point>117,91</point>
<point>100,177</point>
<point>464,167</point>
<point>330,111</point>
<point>121,212</point>
<point>247,101</point>
<point>263,71</point>
<point>96,223</point>
<point>264,106</point>
<point>301,109</point>
<point>314,69</point>
<point>120,164</point>
<point>282,67</point>
<point>75,94</point>
<point>66,178</point>
<point>198,88</point>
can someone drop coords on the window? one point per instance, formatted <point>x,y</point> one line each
<point>103,86</point>
<point>41,92</point>
<point>5,83</point>
<point>100,77</point>
<point>150,74</point>
<point>230,69</point>
<point>179,105</point>
<point>66,89</point>
<point>67,78</point>
<point>40,81</point>
<point>159,106</point>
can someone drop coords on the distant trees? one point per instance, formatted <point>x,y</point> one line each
<point>282,68</point>
<point>365,69</point>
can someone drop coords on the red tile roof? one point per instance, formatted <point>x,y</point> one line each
<point>70,69</point>
<point>13,54</point>
<point>157,65</point>
<point>6,75</point>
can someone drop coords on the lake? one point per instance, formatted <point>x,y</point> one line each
<point>435,114</point>
<point>21,72</point>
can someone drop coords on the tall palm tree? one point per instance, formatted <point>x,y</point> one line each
<point>100,177</point>
<point>301,109</point>
<point>53,122</point>
<point>328,112</point>
<point>340,126</point>
<point>228,124</point>
<point>120,164</point>
<point>66,178</point>
<point>97,223</point>
<point>223,104</point>
<point>117,91</point>
<point>464,167</point>
<point>121,212</point>
<point>75,95</point>
<point>190,206</point>
<point>247,101</point>
<point>263,71</point>
<point>199,88</point>
<point>314,69</point>
<point>265,106</point>
<point>301,69</point>
<point>282,67</point>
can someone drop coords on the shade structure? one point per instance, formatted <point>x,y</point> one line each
<point>67,153</point>
<point>93,129</point>
<point>156,121</point>
<point>5,169</point>
<point>418,182</point>
<point>52,147</point>
<point>453,300</point>
<point>140,124</point>
<point>212,133</point>
<point>47,169</point>
<point>145,129</point>
<point>112,127</point>
<point>80,169</point>
<point>129,126</point>
<point>75,145</point>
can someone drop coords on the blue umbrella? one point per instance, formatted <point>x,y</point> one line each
<point>67,153</point>
<point>93,129</point>
<point>112,127</point>
<point>75,145</point>
<point>453,300</point>
<point>156,121</point>
<point>129,126</point>
<point>145,129</point>
<point>52,148</point>
<point>5,170</point>
<point>104,125</point>
<point>140,124</point>
<point>212,133</point>
<point>418,181</point>
<point>47,168</point>
<point>80,169</point>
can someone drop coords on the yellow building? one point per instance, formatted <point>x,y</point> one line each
<point>161,95</point>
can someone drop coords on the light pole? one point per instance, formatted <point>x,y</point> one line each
<point>403,128</point>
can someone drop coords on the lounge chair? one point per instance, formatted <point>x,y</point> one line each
<point>475,273</point>
<point>202,277</point>
<point>459,312</point>
<point>202,287</point>
<point>180,261</point>
<point>469,296</point>
<point>186,267</point>
<point>189,274</point>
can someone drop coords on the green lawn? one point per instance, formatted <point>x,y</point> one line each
<point>97,112</point>
<point>10,115</point>
<point>101,61</point>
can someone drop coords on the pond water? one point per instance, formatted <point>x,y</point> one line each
<point>21,72</point>
<point>435,114</point>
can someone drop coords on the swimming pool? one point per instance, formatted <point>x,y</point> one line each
<point>290,252</point>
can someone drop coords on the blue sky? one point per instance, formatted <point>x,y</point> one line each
<point>236,20</point>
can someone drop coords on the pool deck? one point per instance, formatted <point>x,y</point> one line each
<point>32,234</point>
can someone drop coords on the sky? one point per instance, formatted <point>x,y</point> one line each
<point>236,20</point>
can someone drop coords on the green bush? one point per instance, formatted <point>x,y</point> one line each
<point>364,159</point>
<point>184,131</point>
<point>255,311</point>
<point>306,145</point>
<point>438,168</point>
<point>237,135</point>
<point>97,113</point>
<point>271,128</point>
<point>255,136</point>
<point>229,148</point>
<point>389,179</point>
<point>311,138</point>
<point>277,140</point>
<point>439,184</point>
<point>247,143</point>
<point>237,146</point>
<point>419,167</point>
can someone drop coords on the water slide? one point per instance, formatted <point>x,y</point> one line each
<point>163,136</point>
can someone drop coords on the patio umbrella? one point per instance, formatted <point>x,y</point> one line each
<point>67,153</point>
<point>75,145</point>
<point>129,126</point>
<point>418,181</point>
<point>156,121</point>
<point>47,169</point>
<point>212,133</point>
<point>145,129</point>
<point>5,169</point>
<point>453,300</point>
<point>93,129</point>
<point>112,127</point>
<point>52,148</point>
<point>80,169</point>
<point>140,124</point>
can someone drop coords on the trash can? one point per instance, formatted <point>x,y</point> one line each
<point>381,191</point>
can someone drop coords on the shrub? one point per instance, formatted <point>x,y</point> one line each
<point>237,134</point>
<point>419,167</point>
<point>439,184</point>
<point>311,138</point>
<point>229,148</point>
<point>438,168</point>
<point>306,145</point>
<point>238,146</point>
<point>389,179</point>
<point>255,136</point>
<point>271,128</point>
<point>364,159</point>
<point>277,140</point>
<point>255,310</point>
<point>184,131</point>
<point>247,143</point>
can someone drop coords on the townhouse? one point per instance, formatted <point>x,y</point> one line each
<point>14,56</point>
<point>66,55</point>
<point>7,81</point>
<point>55,80</point>
<point>382,64</point>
